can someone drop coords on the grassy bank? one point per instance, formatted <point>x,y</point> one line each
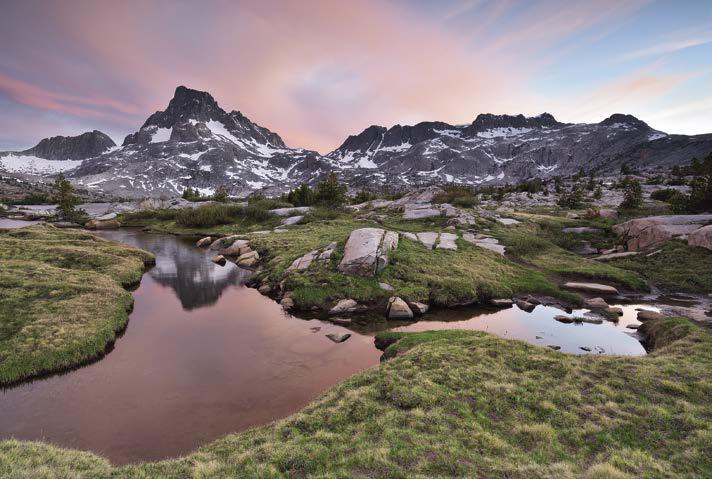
<point>465,404</point>
<point>63,298</point>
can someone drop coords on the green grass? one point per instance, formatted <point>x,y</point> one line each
<point>677,268</point>
<point>63,298</point>
<point>464,404</point>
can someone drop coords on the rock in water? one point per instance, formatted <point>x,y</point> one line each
<point>366,251</point>
<point>338,338</point>
<point>564,319</point>
<point>204,242</point>
<point>219,259</point>
<point>501,303</point>
<point>344,306</point>
<point>646,315</point>
<point>596,303</point>
<point>248,260</point>
<point>418,308</point>
<point>102,225</point>
<point>398,309</point>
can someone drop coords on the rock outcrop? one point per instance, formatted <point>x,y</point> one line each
<point>642,233</point>
<point>701,237</point>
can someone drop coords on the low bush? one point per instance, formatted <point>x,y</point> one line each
<point>220,214</point>
<point>663,195</point>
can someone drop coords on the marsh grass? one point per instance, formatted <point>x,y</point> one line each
<point>464,404</point>
<point>63,298</point>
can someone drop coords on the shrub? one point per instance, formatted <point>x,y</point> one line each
<point>362,197</point>
<point>67,201</point>
<point>572,199</point>
<point>212,215</point>
<point>220,195</point>
<point>663,195</point>
<point>632,194</point>
<point>330,192</point>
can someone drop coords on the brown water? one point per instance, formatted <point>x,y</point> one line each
<point>203,356</point>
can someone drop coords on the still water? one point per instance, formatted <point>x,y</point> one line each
<point>204,356</point>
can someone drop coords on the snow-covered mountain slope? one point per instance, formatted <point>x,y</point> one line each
<point>195,143</point>
<point>504,148</point>
<point>55,155</point>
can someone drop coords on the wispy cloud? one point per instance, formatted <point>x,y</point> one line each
<point>678,42</point>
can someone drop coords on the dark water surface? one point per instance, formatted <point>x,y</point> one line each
<point>204,356</point>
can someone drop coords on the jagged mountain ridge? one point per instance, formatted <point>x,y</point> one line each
<point>194,142</point>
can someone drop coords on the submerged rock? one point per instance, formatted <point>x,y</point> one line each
<point>418,308</point>
<point>564,319</point>
<point>596,303</point>
<point>204,242</point>
<point>345,306</point>
<point>338,337</point>
<point>219,259</point>
<point>501,303</point>
<point>646,315</point>
<point>525,305</point>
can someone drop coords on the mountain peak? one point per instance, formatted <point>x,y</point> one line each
<point>80,147</point>
<point>623,119</point>
<point>488,121</point>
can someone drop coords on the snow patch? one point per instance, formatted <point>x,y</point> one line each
<point>161,135</point>
<point>34,165</point>
<point>503,132</point>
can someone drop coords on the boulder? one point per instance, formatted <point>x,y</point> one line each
<point>613,311</point>
<point>428,239</point>
<point>292,220</point>
<point>525,305</point>
<point>284,212</point>
<point>237,248</point>
<point>398,309</point>
<point>344,306</point>
<point>248,260</point>
<point>219,259</point>
<point>595,303</point>
<point>204,242</point>
<point>106,217</point>
<point>265,289</point>
<point>224,242</point>
<point>287,301</point>
<point>646,315</point>
<point>418,308</point>
<point>102,225</point>
<point>701,237</point>
<point>501,303</point>
<point>412,212</point>
<point>304,261</point>
<point>591,288</point>
<point>447,241</point>
<point>641,233</point>
<point>366,251</point>
<point>338,337</point>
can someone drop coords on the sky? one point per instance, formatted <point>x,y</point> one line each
<point>316,71</point>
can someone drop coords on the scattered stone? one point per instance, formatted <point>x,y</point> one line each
<point>525,305</point>
<point>410,236</point>
<point>385,286</point>
<point>398,309</point>
<point>287,301</point>
<point>300,210</point>
<point>107,217</point>
<point>292,220</point>
<point>610,256</point>
<point>564,319</point>
<point>102,225</point>
<point>344,306</point>
<point>248,260</point>
<point>447,241</point>
<point>595,303</point>
<point>366,251</point>
<point>553,346</point>
<point>646,315</point>
<point>341,321</point>
<point>501,303</point>
<point>338,337</point>
<point>428,239</point>
<point>204,242</point>
<point>507,221</point>
<point>486,242</point>
<point>591,287</point>
<point>418,308</point>
<point>219,259</point>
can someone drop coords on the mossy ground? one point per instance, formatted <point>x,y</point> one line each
<point>62,298</point>
<point>465,404</point>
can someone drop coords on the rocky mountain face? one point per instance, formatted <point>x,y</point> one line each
<point>504,148</point>
<point>195,143</point>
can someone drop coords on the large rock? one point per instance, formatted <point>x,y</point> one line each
<point>413,212</point>
<point>306,260</point>
<point>428,239</point>
<point>237,248</point>
<point>292,220</point>
<point>338,337</point>
<point>702,237</point>
<point>248,260</point>
<point>398,309</point>
<point>596,303</point>
<point>591,288</point>
<point>204,242</point>
<point>345,306</point>
<point>299,210</point>
<point>366,251</point>
<point>642,233</point>
<point>102,225</point>
<point>418,308</point>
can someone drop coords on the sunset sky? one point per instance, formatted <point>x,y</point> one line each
<point>317,71</point>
